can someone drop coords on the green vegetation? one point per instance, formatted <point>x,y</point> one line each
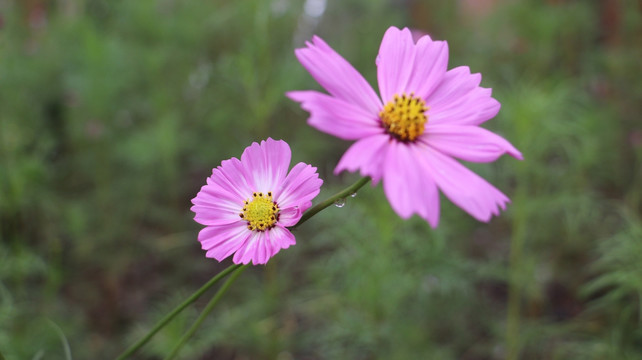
<point>113,113</point>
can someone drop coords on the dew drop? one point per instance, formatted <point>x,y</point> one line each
<point>354,194</point>
<point>340,203</point>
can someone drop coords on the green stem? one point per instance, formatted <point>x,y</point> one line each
<point>331,200</point>
<point>210,306</point>
<point>177,310</point>
<point>307,215</point>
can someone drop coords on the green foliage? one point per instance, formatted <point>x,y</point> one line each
<point>112,114</point>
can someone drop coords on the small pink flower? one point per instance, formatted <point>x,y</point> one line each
<point>408,137</point>
<point>247,204</point>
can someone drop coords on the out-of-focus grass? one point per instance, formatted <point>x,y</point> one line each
<point>112,113</point>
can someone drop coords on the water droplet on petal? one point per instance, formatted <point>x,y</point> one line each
<point>354,194</point>
<point>340,203</point>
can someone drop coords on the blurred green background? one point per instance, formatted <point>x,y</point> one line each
<point>113,113</point>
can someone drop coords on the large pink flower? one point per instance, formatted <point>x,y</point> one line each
<point>425,117</point>
<point>247,204</point>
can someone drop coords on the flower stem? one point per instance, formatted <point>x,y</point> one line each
<point>329,201</point>
<point>177,310</point>
<point>307,215</point>
<point>210,306</point>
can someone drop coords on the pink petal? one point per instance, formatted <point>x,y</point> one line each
<point>212,201</point>
<point>261,246</point>
<point>394,62</point>
<point>266,165</point>
<point>290,216</point>
<point>469,143</point>
<point>408,186</point>
<point>455,84</point>
<point>221,200</point>
<point>223,241</point>
<point>366,155</point>
<point>459,100</point>
<point>462,186</point>
<point>252,249</point>
<point>337,76</point>
<point>280,238</point>
<point>215,215</point>
<point>214,194</point>
<point>228,181</point>
<point>337,117</point>
<point>429,193</point>
<point>299,188</point>
<point>430,66</point>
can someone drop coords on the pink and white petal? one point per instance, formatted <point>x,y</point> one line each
<point>290,216</point>
<point>228,181</point>
<point>305,206</point>
<point>251,250</point>
<point>455,84</point>
<point>463,187</point>
<point>213,196</point>
<point>469,143</point>
<point>222,241</point>
<point>262,252</point>
<point>214,215</point>
<point>337,117</point>
<point>266,164</point>
<point>300,186</point>
<point>429,194</point>
<point>337,76</point>
<point>430,66</point>
<point>366,155</point>
<point>218,202</point>
<point>460,100</point>
<point>408,187</point>
<point>476,109</point>
<point>394,62</point>
<point>264,245</point>
<point>261,246</point>
<point>280,238</point>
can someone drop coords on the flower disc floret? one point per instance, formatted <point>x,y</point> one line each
<point>404,117</point>
<point>261,213</point>
<point>247,205</point>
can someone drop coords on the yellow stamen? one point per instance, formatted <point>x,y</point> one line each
<point>261,213</point>
<point>405,117</point>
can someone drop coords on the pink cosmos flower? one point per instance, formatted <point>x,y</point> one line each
<point>247,204</point>
<point>426,116</point>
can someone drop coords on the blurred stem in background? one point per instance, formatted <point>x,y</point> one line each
<point>516,271</point>
<point>515,279</point>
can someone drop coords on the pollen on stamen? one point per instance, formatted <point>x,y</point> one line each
<point>404,117</point>
<point>261,213</point>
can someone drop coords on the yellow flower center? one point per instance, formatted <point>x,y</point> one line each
<point>261,212</point>
<point>404,117</point>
